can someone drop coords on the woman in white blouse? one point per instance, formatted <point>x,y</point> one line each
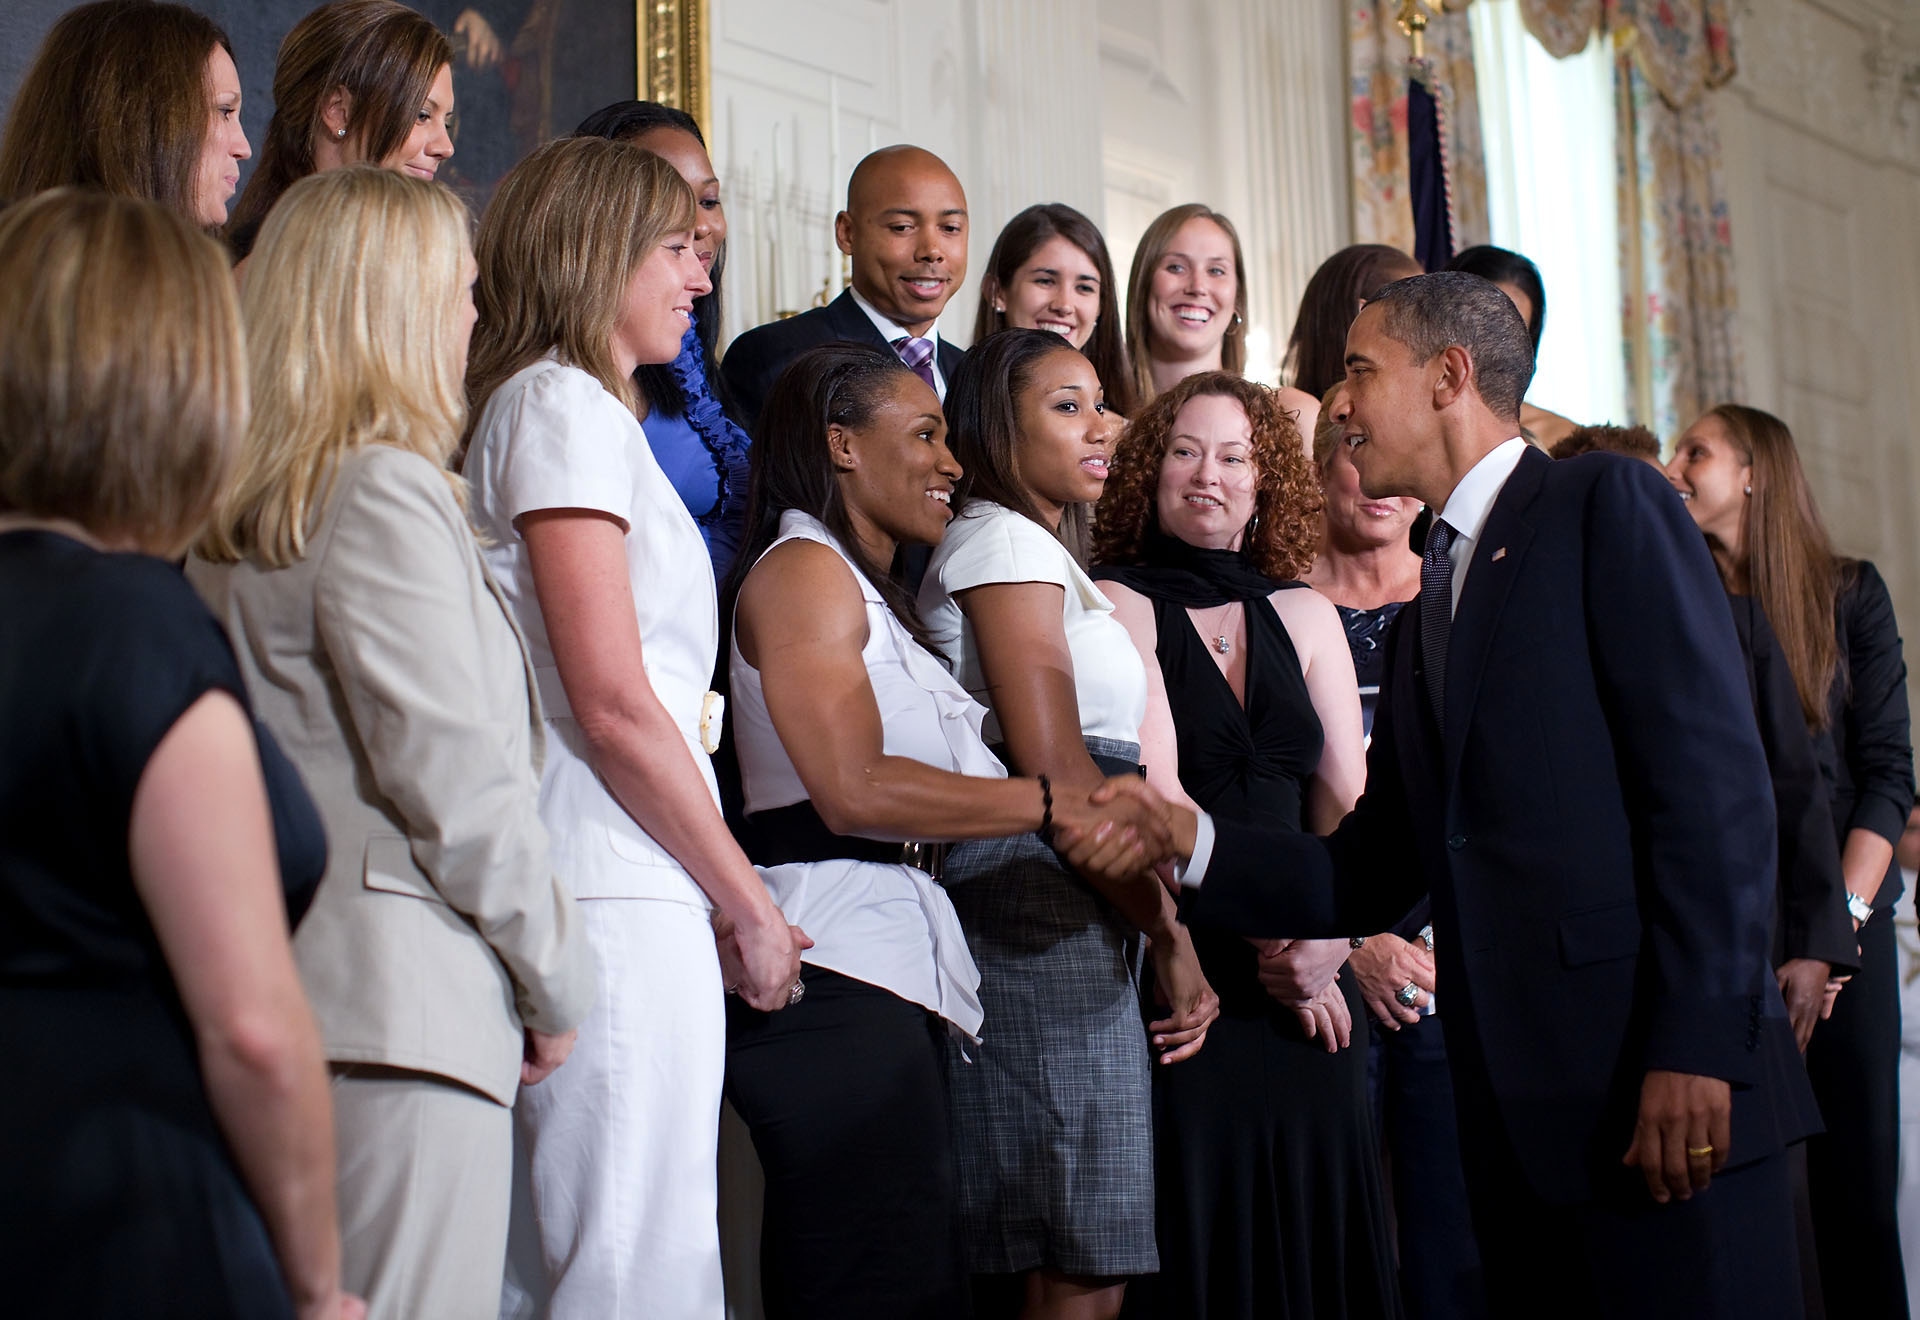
<point>1053,1123</point>
<point>852,738</point>
<point>587,269</point>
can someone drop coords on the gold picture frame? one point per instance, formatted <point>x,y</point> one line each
<point>672,56</point>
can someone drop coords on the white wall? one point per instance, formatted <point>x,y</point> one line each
<point>1240,104</point>
<point>1118,107</point>
<point>1823,175</point>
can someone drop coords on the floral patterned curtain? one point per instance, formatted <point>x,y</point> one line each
<point>1378,63</point>
<point>1676,251</point>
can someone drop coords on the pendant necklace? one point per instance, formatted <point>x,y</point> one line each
<point>1220,642</point>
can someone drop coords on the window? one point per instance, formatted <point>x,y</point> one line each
<point>1548,126</point>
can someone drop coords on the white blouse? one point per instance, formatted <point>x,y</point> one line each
<point>988,543</point>
<point>551,437</point>
<point>887,925</point>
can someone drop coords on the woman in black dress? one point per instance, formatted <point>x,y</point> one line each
<point>1741,477</point>
<point>169,1146</point>
<point>1268,1180</point>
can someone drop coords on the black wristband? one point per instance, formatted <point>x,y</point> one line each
<point>1046,811</point>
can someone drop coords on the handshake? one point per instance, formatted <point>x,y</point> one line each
<point>1122,832</point>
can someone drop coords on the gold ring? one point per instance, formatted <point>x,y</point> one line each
<point>1699,1152</point>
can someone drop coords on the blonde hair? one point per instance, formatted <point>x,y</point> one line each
<point>123,378</point>
<point>352,302</point>
<point>557,246</point>
<point>1153,246</point>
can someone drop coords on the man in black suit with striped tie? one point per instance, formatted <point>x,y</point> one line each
<point>905,227</point>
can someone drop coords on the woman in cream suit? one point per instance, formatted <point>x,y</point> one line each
<point>587,269</point>
<point>446,964</point>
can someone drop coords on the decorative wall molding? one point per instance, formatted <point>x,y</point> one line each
<point>1845,71</point>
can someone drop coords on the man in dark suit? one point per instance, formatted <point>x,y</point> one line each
<point>1564,755</point>
<point>905,227</point>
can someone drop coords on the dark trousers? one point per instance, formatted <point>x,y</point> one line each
<point>845,1096</point>
<point>1725,1254</point>
<point>1852,1169</point>
<point>1413,1113</point>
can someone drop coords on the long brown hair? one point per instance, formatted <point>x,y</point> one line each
<point>115,99</point>
<point>1107,346</point>
<point>1152,247</point>
<point>1317,349</point>
<point>1790,564</point>
<point>1282,536</point>
<point>383,54</point>
<point>557,246</point>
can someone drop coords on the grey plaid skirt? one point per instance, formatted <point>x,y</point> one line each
<point>1053,1116</point>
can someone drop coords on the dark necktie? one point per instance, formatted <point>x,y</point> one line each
<point>1436,614</point>
<point>918,355</point>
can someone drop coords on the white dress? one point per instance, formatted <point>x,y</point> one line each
<point>619,1145</point>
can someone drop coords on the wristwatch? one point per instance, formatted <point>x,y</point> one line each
<point>1861,909</point>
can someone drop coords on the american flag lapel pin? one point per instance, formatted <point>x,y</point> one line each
<point>1498,555</point>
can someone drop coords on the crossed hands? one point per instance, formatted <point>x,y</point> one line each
<point>1304,976</point>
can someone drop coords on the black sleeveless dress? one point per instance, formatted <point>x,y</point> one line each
<point>1269,1196</point>
<point>118,1193</point>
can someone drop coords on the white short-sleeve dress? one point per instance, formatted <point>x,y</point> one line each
<point>1053,1123</point>
<point>622,1140</point>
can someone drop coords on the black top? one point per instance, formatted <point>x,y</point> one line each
<point>1810,904</point>
<point>125,1200</point>
<point>1367,643</point>
<point>1870,752</point>
<point>755,360</point>
<point>1246,763</point>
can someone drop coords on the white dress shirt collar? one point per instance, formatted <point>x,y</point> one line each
<point>1472,500</point>
<point>1471,503</point>
<point>890,330</point>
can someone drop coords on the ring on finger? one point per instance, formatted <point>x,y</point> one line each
<point>1699,1152</point>
<point>798,992</point>
<point>1407,994</point>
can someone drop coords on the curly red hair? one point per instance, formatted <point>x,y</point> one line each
<point>1283,535</point>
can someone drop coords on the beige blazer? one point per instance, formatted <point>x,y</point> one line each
<point>389,668</point>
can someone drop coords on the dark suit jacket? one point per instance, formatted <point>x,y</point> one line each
<point>1869,748</point>
<point>1595,828</point>
<point>1810,918</point>
<point>756,359</point>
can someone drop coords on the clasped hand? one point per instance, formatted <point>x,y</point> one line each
<point>1119,832</point>
<point>760,963</point>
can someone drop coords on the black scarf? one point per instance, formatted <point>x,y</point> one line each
<point>1186,575</point>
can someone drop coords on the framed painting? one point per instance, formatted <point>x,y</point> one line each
<point>524,71</point>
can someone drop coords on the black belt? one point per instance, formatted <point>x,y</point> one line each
<point>797,834</point>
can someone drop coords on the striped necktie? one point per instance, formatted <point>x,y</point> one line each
<point>1436,614</point>
<point>918,355</point>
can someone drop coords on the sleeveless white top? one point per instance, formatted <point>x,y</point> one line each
<point>989,543</point>
<point>887,925</point>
